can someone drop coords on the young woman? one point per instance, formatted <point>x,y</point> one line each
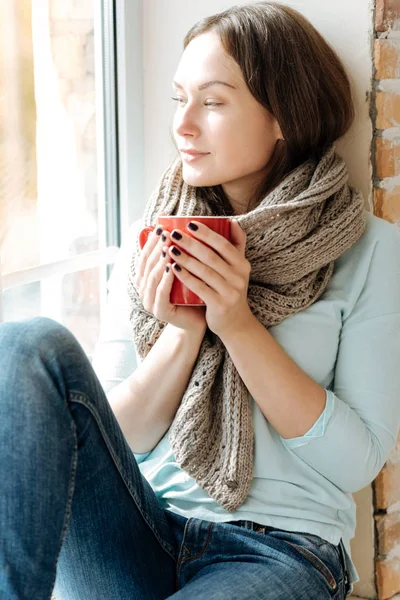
<point>223,466</point>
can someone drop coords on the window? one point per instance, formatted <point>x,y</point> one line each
<point>59,222</point>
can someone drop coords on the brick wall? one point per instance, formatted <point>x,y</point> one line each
<point>386,116</point>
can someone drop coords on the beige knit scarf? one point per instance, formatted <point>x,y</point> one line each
<point>293,238</point>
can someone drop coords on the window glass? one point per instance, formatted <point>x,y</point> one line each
<point>49,207</point>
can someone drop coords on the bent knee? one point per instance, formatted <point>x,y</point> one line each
<point>37,334</point>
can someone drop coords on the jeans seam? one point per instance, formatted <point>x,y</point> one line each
<point>182,561</point>
<point>181,551</point>
<point>68,508</point>
<point>83,399</point>
<point>318,564</point>
<point>187,560</point>
<point>341,553</point>
<point>311,539</point>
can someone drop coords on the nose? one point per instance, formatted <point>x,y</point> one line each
<point>186,121</point>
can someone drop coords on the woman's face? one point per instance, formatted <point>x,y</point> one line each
<point>234,134</point>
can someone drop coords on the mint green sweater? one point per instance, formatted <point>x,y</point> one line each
<point>349,342</point>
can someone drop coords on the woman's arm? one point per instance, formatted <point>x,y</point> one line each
<point>362,429</point>
<point>360,422</point>
<point>144,397</point>
<point>288,398</point>
<point>146,402</point>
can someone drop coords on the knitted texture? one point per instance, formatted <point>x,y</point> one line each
<point>293,238</point>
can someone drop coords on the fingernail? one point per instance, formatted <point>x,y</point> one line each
<point>164,253</point>
<point>175,251</point>
<point>193,226</point>
<point>159,231</point>
<point>176,235</point>
<point>164,237</point>
<point>177,267</point>
<point>167,269</point>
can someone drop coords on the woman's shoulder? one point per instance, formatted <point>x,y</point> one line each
<point>380,242</point>
<point>369,271</point>
<point>381,231</point>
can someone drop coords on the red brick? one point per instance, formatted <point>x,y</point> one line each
<point>387,59</point>
<point>388,529</point>
<point>387,15</point>
<point>387,486</point>
<point>387,110</point>
<point>387,157</point>
<point>387,206</point>
<point>388,578</point>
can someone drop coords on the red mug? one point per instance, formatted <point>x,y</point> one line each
<point>180,294</point>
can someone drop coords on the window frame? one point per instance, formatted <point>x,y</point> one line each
<point>130,108</point>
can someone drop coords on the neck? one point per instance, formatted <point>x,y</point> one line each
<point>238,207</point>
<point>241,197</point>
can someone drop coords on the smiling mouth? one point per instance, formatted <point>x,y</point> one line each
<point>190,157</point>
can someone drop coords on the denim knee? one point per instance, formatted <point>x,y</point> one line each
<point>36,335</point>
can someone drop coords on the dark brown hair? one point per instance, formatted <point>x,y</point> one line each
<point>294,73</point>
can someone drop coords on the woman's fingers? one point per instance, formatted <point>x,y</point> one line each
<point>150,260</point>
<point>151,243</point>
<point>163,292</point>
<point>154,256</point>
<point>151,281</point>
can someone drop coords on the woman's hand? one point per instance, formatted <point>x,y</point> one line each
<point>154,282</point>
<point>218,274</point>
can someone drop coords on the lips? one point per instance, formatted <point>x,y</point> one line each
<point>191,152</point>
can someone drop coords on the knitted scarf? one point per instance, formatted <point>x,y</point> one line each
<point>294,236</point>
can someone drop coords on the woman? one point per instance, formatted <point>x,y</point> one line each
<point>252,420</point>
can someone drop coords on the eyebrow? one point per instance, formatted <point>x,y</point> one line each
<point>207,84</point>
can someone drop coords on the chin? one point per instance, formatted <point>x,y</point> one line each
<point>194,179</point>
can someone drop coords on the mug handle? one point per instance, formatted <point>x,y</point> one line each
<point>144,234</point>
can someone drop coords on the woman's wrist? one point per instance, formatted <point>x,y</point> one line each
<point>194,334</point>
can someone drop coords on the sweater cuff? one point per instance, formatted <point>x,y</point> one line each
<point>319,427</point>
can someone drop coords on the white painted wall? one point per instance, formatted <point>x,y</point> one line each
<point>347,26</point>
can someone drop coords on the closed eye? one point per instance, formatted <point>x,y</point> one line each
<point>210,103</point>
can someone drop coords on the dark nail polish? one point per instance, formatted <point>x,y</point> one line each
<point>193,226</point>
<point>177,267</point>
<point>176,235</point>
<point>164,237</point>
<point>167,268</point>
<point>164,254</point>
<point>175,251</point>
<point>159,231</point>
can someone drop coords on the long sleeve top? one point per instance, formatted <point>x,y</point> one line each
<point>348,341</point>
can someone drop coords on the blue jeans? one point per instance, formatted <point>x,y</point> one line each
<point>77,516</point>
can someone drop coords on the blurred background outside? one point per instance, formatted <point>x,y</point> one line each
<point>50,193</point>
